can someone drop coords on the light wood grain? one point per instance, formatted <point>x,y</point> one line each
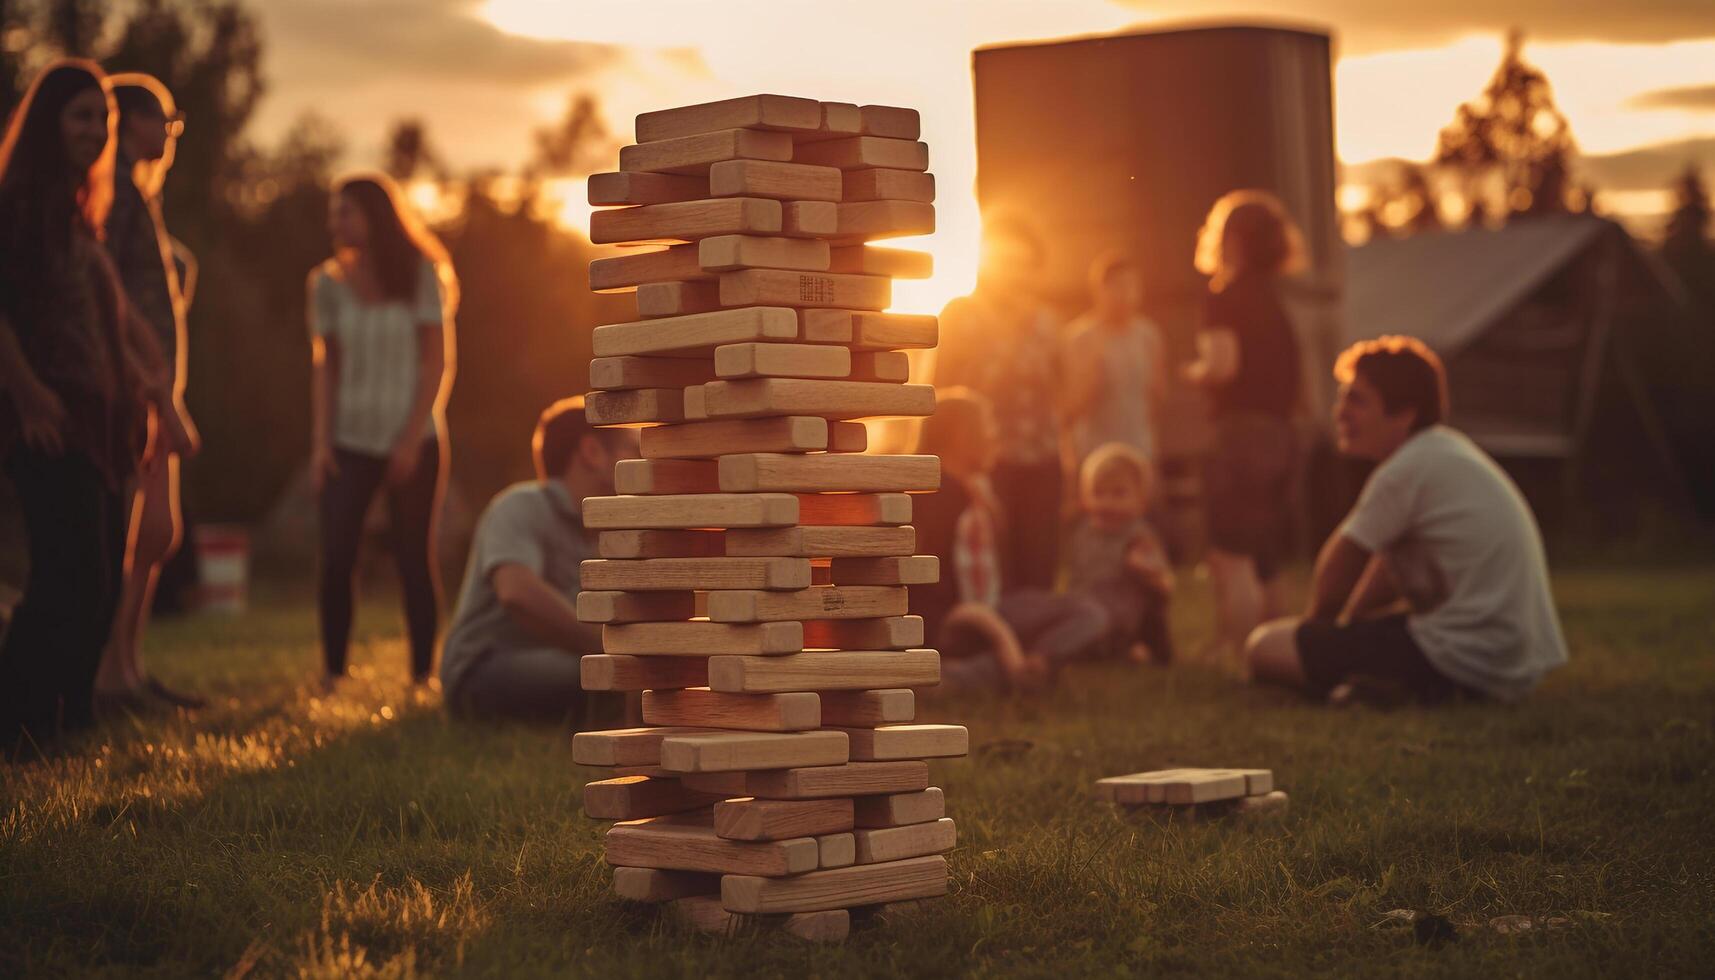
<point>876,184</point>
<point>595,606</point>
<point>911,570</point>
<point>678,298</point>
<point>855,779</point>
<point>687,221</point>
<point>893,122</point>
<point>809,219</point>
<point>695,334</point>
<point>892,742</point>
<point>873,220</point>
<point>780,181</point>
<point>899,809</point>
<point>734,751</point>
<point>727,253</point>
<point>829,399</point>
<point>612,189</point>
<point>871,260</point>
<point>822,602</point>
<point>860,884</point>
<point>751,819</point>
<point>886,633</point>
<point>635,797</point>
<point>819,542</point>
<point>633,406</point>
<point>696,153</point>
<point>793,712</point>
<point>867,709</point>
<point>660,885</point>
<point>825,926</point>
<point>771,287</point>
<point>651,372</point>
<point>603,672</point>
<point>691,511</point>
<point>862,151</point>
<point>789,434</point>
<point>770,112</point>
<point>899,843</point>
<point>658,574</point>
<point>782,361</point>
<point>819,472</point>
<point>702,639</point>
<point>660,544</point>
<point>660,844</point>
<point>836,850</point>
<point>854,508</point>
<point>890,366</point>
<point>869,331</point>
<point>666,476</point>
<point>825,670</point>
<point>626,746</point>
<point>674,263</point>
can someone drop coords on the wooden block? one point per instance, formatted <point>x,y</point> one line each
<point>869,331</point>
<point>900,843</point>
<point>818,472</point>
<point>826,926</point>
<point>780,181</point>
<point>676,262</point>
<point>854,508</point>
<point>602,672</point>
<point>789,434</point>
<point>752,819</point>
<point>866,260</point>
<point>680,298</point>
<point>890,366</point>
<point>668,574</point>
<point>690,511</point>
<point>699,638</point>
<point>635,797</point>
<point>696,404</point>
<point>770,287</point>
<point>686,220</point>
<point>1271,803</point>
<point>854,779</point>
<point>624,746</point>
<point>704,913</point>
<point>888,185</point>
<point>870,220</point>
<point>611,189</point>
<point>770,112</point>
<point>859,151</point>
<point>907,742</point>
<point>808,219</point>
<point>658,843</point>
<point>829,399</point>
<point>695,154</point>
<point>836,850</point>
<point>826,670</point>
<point>1257,781</point>
<point>732,751</point>
<point>634,406</point>
<point>633,607</point>
<point>695,334</point>
<point>866,709</point>
<point>782,361</point>
<point>821,542</point>
<point>666,476</point>
<point>899,809</point>
<point>892,122</point>
<point>659,544</point>
<point>794,712</point>
<point>843,437</point>
<point>1175,786</point>
<point>910,570</point>
<point>827,602</point>
<point>860,884</point>
<point>728,253</point>
<point>652,372</point>
<point>839,120</point>
<point>888,633</point>
<point>659,885</point>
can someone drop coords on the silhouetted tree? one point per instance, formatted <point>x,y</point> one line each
<point>580,143</point>
<point>409,153</point>
<point>1686,247</point>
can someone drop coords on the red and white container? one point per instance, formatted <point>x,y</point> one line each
<point>223,567</point>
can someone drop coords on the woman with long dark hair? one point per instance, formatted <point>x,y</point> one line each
<point>1249,364</point>
<point>78,376</point>
<point>381,328</point>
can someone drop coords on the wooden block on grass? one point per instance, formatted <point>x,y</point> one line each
<point>836,850</point>
<point>807,219</point>
<point>888,633</point>
<point>1261,804</point>
<point>674,263</point>
<point>909,570</point>
<point>695,334</point>
<point>860,884</point>
<point>733,751</point>
<point>729,253</point>
<point>821,542</point>
<point>687,220</point>
<point>829,399</point>
<point>695,154</point>
<point>854,508</point>
<point>690,511</point>
<point>867,709</point>
<point>752,819</point>
<point>659,843</point>
<point>702,639</point>
<point>773,287</point>
<point>822,472</point>
<point>634,406</point>
<point>704,913</point>
<point>659,885</point>
<point>866,260</point>
<point>613,189</point>
<point>899,809</point>
<point>624,746</point>
<point>793,712</point>
<point>869,220</point>
<point>1175,786</point>
<point>893,122</point>
<point>651,372</point>
<point>601,672</point>
<point>780,181</point>
<point>858,151</point>
<point>854,779</point>
<point>824,602</point>
<point>635,797</point>
<point>668,574</point>
<point>595,606</point>
<point>876,184</point>
<point>766,112</point>
<point>907,742</point>
<point>782,361</point>
<point>1257,781</point>
<point>681,298</point>
<point>909,841</point>
<point>869,331</point>
<point>787,434</point>
<point>660,544</point>
<point>826,926</point>
<point>826,670</point>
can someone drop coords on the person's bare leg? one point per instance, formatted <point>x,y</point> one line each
<point>154,536</point>
<point>1272,653</point>
<point>1238,600</point>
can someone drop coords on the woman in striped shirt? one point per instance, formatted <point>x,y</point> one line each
<point>381,329</point>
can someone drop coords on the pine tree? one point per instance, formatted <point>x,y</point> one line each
<point>1687,248</point>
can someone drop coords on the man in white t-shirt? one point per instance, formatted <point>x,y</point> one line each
<point>1436,583</point>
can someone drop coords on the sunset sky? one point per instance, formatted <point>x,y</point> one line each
<point>1636,80</point>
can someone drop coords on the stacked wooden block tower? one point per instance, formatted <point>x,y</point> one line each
<point>754,566</point>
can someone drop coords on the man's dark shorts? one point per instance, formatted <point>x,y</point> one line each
<point>1371,650</point>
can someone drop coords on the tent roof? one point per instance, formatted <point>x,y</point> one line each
<point>1445,287</point>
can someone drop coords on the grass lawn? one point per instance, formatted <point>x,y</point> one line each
<point>279,834</point>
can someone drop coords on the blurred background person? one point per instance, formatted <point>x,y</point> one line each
<point>1248,362</point>
<point>381,330</point>
<point>1115,557</point>
<point>1116,365</point>
<point>144,256</point>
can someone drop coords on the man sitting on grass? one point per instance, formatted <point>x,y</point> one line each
<point>1438,527</point>
<point>515,644</point>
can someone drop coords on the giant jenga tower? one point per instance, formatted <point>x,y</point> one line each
<point>754,567</point>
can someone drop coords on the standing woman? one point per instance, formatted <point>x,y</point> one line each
<point>381,330</point>
<point>1249,364</point>
<point>77,379</point>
